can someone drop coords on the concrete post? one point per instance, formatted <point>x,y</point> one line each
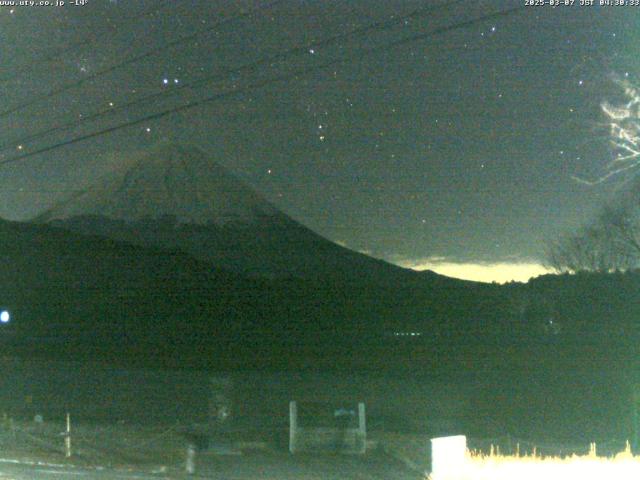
<point>448,457</point>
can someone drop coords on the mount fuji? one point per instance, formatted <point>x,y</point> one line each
<point>176,197</point>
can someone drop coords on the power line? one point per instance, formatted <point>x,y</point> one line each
<point>379,25</point>
<point>257,85</point>
<point>179,41</point>
<point>58,52</point>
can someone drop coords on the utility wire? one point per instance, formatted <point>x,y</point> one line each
<point>58,52</point>
<point>379,25</point>
<point>260,84</point>
<point>179,41</point>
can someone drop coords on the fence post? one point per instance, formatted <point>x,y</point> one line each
<point>362,427</point>
<point>67,437</point>
<point>293,425</point>
<point>635,398</point>
<point>190,465</point>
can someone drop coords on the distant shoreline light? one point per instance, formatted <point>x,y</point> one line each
<point>499,272</point>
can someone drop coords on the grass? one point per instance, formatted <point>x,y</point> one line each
<point>494,466</point>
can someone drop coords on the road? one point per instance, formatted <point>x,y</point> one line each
<point>30,471</point>
<point>245,467</point>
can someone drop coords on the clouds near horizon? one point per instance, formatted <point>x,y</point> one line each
<point>499,272</point>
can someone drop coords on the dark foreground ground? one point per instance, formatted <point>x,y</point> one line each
<point>131,421</point>
<point>30,450</point>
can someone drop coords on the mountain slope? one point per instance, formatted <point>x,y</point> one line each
<point>68,291</point>
<point>176,197</point>
<point>73,295</point>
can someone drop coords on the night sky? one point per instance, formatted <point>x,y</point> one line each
<point>457,148</point>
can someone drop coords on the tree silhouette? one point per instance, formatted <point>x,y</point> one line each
<point>611,242</point>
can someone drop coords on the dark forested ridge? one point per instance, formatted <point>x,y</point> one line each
<point>73,294</point>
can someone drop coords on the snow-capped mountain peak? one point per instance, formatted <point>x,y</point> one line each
<point>170,180</point>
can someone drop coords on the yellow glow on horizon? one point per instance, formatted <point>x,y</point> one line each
<point>500,272</point>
